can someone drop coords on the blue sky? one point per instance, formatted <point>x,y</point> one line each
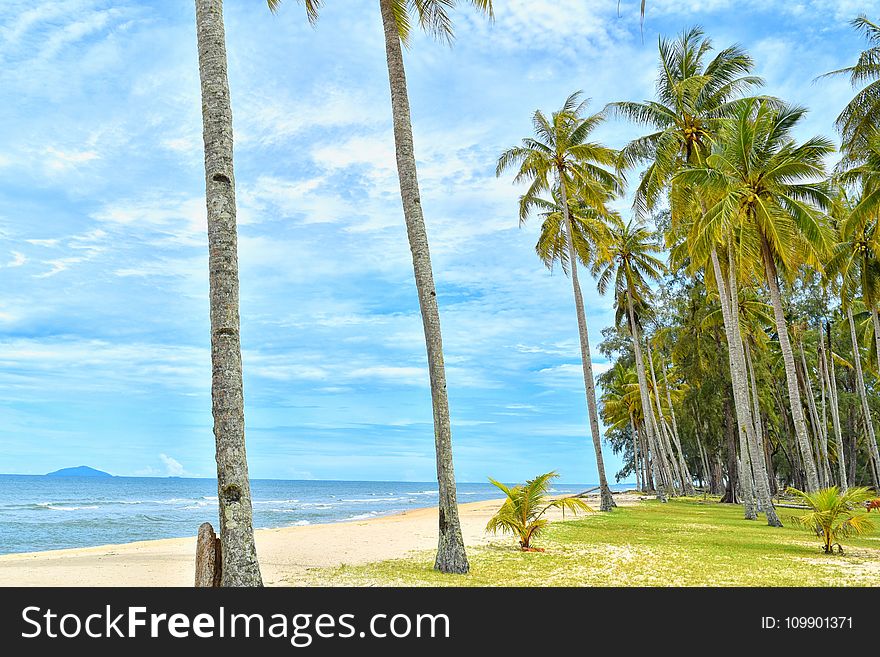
<point>104,355</point>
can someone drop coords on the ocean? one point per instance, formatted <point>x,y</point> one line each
<point>50,513</point>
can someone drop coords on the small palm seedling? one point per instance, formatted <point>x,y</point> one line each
<point>523,510</point>
<point>834,515</point>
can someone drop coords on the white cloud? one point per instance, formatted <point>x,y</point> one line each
<point>49,243</point>
<point>274,115</point>
<point>186,144</point>
<point>569,374</point>
<point>18,259</point>
<point>58,266</point>
<point>173,468</point>
<point>183,219</point>
<point>60,160</point>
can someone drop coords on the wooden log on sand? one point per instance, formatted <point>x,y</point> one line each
<point>209,563</point>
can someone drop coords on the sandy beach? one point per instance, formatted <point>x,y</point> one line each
<point>286,554</point>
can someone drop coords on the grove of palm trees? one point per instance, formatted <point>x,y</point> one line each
<point>761,316</point>
<point>743,263</point>
<point>333,277</point>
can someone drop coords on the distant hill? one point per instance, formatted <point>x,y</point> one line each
<point>79,471</point>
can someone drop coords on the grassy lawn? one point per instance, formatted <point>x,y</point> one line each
<point>681,543</point>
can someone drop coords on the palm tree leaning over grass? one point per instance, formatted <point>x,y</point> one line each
<point>834,515</point>
<point>522,513</point>
<point>694,100</point>
<point>433,16</point>
<point>238,552</point>
<point>630,263</point>
<point>769,188</point>
<point>559,160</point>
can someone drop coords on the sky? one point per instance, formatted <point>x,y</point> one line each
<point>104,340</point>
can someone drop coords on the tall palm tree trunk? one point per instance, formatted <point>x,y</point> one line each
<point>606,500</point>
<point>875,319</point>
<point>635,441</point>
<point>824,470</point>
<point>684,475</point>
<point>823,397</point>
<point>451,556</point>
<point>663,433</point>
<point>730,314</point>
<point>662,477</point>
<point>863,396</point>
<point>647,477</point>
<point>687,473</point>
<point>794,397</point>
<point>831,384</point>
<point>763,459</point>
<point>238,552</point>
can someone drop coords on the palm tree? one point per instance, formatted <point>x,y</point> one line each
<point>860,226</point>
<point>860,119</point>
<point>522,513</point>
<point>855,265</point>
<point>631,263</point>
<point>767,188</point>
<point>834,514</point>
<point>695,99</point>
<point>239,555</point>
<point>561,161</point>
<point>622,407</point>
<point>434,17</point>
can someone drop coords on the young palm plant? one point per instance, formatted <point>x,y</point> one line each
<point>561,161</point>
<point>433,16</point>
<point>835,515</point>
<point>522,513</point>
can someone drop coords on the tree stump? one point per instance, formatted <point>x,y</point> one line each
<point>209,563</point>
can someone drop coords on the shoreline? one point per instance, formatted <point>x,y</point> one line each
<point>286,554</point>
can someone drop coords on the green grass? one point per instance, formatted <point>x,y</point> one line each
<point>681,543</point>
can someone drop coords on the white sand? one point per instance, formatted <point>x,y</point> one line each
<point>285,554</point>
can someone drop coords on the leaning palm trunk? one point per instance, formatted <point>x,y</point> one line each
<point>606,500</point>
<point>635,441</point>
<point>662,430</point>
<point>863,396</point>
<point>451,556</point>
<point>831,384</point>
<point>824,401</point>
<point>875,318</point>
<point>690,480</point>
<point>824,472</point>
<point>662,478</point>
<point>794,397</point>
<point>730,315</point>
<point>239,554</point>
<point>763,459</point>
<point>681,469</point>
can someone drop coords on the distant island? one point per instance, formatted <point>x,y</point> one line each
<point>79,471</point>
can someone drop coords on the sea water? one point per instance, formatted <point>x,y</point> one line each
<point>49,513</point>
